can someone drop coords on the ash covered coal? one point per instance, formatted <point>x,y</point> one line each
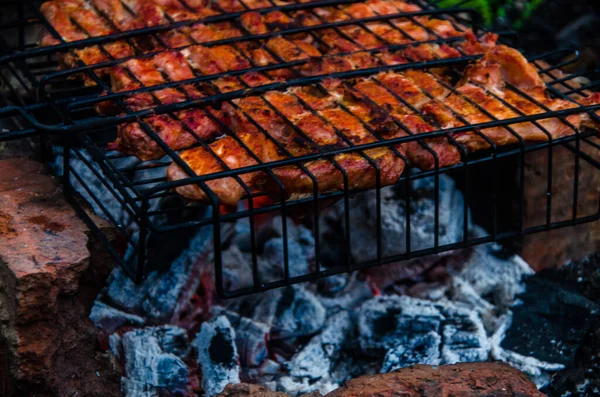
<point>270,243</point>
<point>394,221</point>
<point>448,308</point>
<point>442,332</point>
<point>154,363</point>
<point>217,355</point>
<point>251,337</point>
<point>314,337</point>
<point>318,357</point>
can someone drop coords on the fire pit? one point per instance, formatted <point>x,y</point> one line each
<point>302,193</point>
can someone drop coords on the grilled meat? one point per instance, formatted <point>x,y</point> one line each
<point>330,115</point>
<point>224,153</point>
<point>179,131</point>
<point>502,85</point>
<point>300,129</point>
<point>179,66</point>
<point>80,19</point>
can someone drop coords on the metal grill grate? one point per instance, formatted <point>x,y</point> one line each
<point>149,210</point>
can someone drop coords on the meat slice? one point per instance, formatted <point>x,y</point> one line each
<point>292,50</point>
<point>350,126</point>
<point>474,45</point>
<point>137,73</point>
<point>253,114</point>
<point>422,155</point>
<point>314,128</point>
<point>556,127</point>
<point>186,128</point>
<point>588,98</point>
<point>361,170</point>
<point>227,152</point>
<point>501,86</point>
<point>513,66</point>
<point>57,14</point>
<point>74,20</point>
<point>485,84</point>
<point>118,15</point>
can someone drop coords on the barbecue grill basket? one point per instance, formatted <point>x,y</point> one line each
<point>153,225</point>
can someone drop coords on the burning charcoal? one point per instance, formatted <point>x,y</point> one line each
<point>217,355</point>
<point>317,359</point>
<point>389,321</point>
<point>291,312</point>
<point>270,367</point>
<point>251,338</point>
<point>108,319</point>
<point>333,285</point>
<point>153,361</point>
<point>265,374</point>
<point>295,232</point>
<point>422,350</point>
<point>122,293</point>
<point>393,221</point>
<point>540,372</point>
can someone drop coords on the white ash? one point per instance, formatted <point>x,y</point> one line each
<point>487,290</point>
<point>115,343</point>
<point>272,263</point>
<point>172,285</point>
<point>491,273</point>
<point>463,336</point>
<point>266,373</point>
<point>98,187</point>
<point>153,361</point>
<point>318,357</point>
<point>217,355</point>
<point>237,272</point>
<point>385,321</point>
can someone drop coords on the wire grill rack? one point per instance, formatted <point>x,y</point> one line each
<point>153,224</point>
